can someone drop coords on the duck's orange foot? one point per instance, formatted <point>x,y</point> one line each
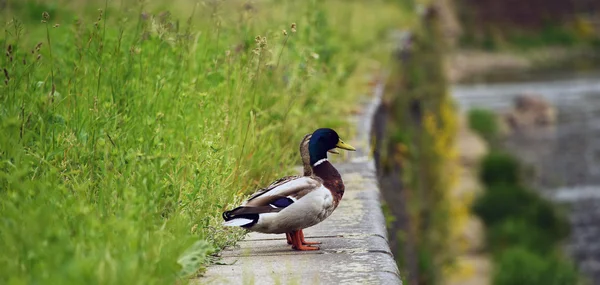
<point>298,242</point>
<point>288,237</point>
<point>304,242</point>
<point>305,247</point>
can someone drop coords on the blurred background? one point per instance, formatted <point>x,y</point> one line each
<point>539,77</point>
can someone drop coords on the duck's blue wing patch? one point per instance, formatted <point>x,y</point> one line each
<point>282,202</point>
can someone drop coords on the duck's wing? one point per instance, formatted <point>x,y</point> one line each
<point>271,186</point>
<point>272,200</point>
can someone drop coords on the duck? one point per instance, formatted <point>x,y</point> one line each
<point>293,203</point>
<point>307,171</point>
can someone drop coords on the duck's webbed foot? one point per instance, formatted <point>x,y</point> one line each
<point>297,242</point>
<point>304,242</point>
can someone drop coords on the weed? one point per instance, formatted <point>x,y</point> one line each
<point>519,266</point>
<point>484,123</point>
<point>499,168</point>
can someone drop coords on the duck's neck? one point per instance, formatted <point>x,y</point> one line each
<point>331,178</point>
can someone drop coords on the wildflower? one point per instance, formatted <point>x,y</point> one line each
<point>45,17</point>
<point>261,42</point>
<point>264,42</point>
<point>293,28</point>
<point>135,50</point>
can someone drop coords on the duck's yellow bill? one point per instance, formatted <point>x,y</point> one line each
<point>344,145</point>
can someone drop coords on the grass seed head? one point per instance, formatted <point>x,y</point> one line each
<point>9,50</point>
<point>264,42</point>
<point>45,17</point>
<point>285,32</point>
<point>261,42</point>
<point>6,74</point>
<point>293,27</point>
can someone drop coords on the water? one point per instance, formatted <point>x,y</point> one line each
<point>565,159</point>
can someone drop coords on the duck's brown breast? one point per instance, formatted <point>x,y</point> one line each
<point>332,180</point>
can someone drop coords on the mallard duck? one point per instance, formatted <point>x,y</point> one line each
<point>307,171</point>
<point>294,203</point>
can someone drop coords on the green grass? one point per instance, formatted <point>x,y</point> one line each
<point>523,230</point>
<point>519,265</point>
<point>499,168</point>
<point>484,123</point>
<point>125,136</point>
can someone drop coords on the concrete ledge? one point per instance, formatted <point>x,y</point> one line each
<point>354,247</point>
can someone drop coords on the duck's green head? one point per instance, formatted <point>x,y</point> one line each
<point>322,141</point>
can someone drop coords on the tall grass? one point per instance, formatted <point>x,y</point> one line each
<point>127,130</point>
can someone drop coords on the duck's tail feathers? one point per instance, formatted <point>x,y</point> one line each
<point>236,218</point>
<point>238,222</point>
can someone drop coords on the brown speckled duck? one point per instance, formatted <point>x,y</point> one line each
<point>294,203</point>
